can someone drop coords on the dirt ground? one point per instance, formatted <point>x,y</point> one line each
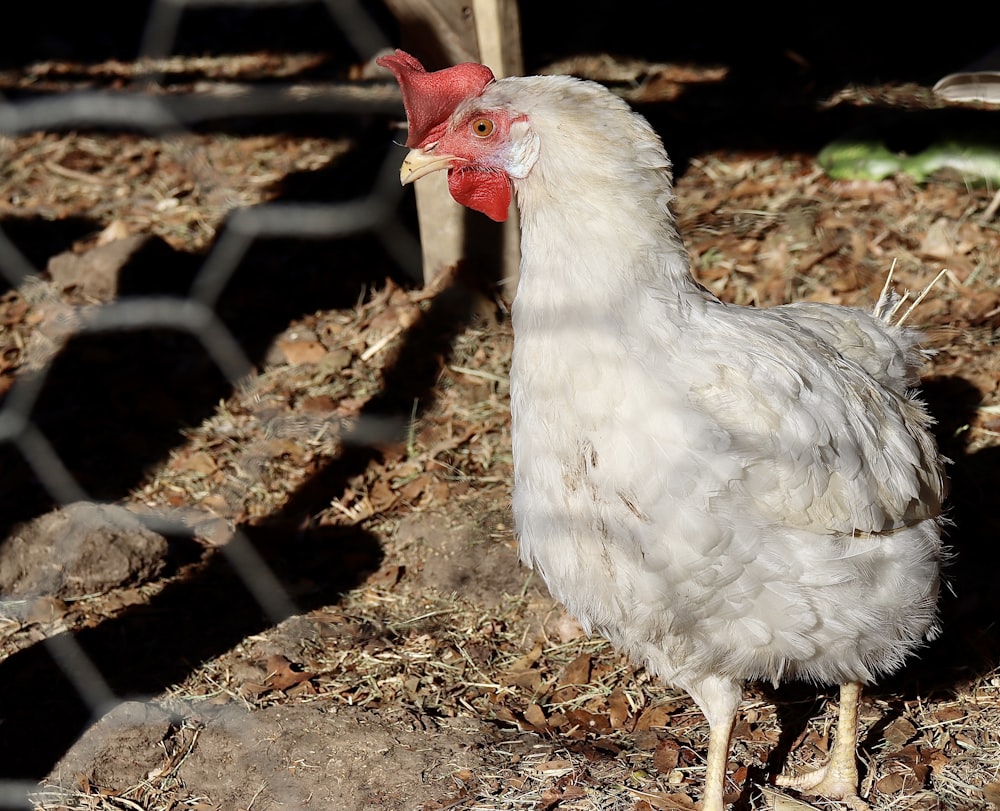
<point>299,587</point>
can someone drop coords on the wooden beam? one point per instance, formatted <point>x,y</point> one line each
<point>441,33</point>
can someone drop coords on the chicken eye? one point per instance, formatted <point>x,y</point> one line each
<point>483,127</point>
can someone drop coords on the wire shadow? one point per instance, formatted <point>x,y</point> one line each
<point>113,403</point>
<point>150,647</point>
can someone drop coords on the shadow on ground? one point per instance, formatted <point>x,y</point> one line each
<point>113,404</point>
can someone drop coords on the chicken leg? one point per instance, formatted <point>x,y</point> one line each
<point>715,771</point>
<point>837,779</point>
<point>718,699</point>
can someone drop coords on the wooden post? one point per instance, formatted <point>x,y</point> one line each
<point>441,33</point>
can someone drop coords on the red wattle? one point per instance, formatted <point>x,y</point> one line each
<point>484,191</point>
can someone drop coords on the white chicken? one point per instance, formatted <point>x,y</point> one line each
<point>726,493</point>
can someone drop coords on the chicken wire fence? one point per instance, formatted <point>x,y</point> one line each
<point>196,312</point>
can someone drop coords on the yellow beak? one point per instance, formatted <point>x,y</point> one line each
<point>418,163</point>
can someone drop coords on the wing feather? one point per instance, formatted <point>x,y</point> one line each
<point>824,445</point>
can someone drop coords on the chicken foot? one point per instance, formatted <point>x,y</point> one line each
<point>837,779</point>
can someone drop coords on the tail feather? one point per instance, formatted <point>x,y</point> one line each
<point>890,302</point>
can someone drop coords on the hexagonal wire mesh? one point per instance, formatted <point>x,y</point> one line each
<point>193,312</point>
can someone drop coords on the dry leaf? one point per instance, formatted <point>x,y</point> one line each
<point>387,577</point>
<point>301,690</point>
<point>282,673</point>
<point>666,756</point>
<point>549,799</point>
<point>554,766</point>
<point>645,740</point>
<point>123,598</point>
<point>196,462</point>
<point>535,715</point>
<point>899,732</point>
<point>911,764</point>
<point>528,679</point>
<point>656,717</point>
<point>527,661</point>
<point>572,677</point>
<point>742,730</point>
<point>503,713</point>
<point>253,689</point>
<point>336,360</point>
<point>890,784</point>
<point>320,403</point>
<point>588,721</point>
<point>440,491</point>
<point>935,758</point>
<point>296,352</point>
<point>217,504</point>
<point>576,672</point>
<point>381,494</point>
<point>557,720</point>
<point>946,714</point>
<point>618,709</point>
<point>666,802</point>
<point>412,490</point>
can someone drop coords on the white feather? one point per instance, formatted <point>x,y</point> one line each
<point>726,493</point>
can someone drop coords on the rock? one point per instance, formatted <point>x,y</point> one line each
<point>95,273</point>
<point>292,756</point>
<point>79,549</point>
<point>119,750</point>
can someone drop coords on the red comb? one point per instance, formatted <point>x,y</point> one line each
<point>431,98</point>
